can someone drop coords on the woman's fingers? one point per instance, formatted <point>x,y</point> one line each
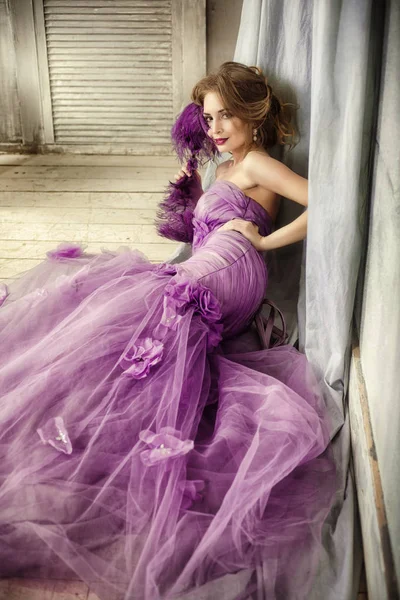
<point>241,225</point>
<point>185,171</point>
<point>179,175</point>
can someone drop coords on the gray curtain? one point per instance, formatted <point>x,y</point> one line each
<point>325,56</point>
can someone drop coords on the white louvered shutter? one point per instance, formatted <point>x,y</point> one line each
<point>110,70</point>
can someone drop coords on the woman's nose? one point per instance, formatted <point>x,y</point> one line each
<point>216,127</point>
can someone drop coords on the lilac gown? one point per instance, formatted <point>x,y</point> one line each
<point>142,450</point>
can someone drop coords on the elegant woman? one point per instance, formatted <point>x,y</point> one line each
<point>143,451</point>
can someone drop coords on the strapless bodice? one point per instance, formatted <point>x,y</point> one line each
<point>226,261</point>
<point>224,201</point>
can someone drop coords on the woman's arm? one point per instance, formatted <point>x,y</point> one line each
<point>273,175</point>
<point>289,234</point>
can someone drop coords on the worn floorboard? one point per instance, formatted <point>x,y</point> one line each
<point>101,201</point>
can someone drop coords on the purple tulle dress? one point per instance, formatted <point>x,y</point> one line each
<point>147,448</point>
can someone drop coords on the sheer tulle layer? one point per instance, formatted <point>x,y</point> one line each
<point>142,456</point>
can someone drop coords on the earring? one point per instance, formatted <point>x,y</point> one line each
<point>254,135</point>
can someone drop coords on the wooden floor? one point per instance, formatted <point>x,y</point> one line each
<point>101,201</point>
<point>19,589</point>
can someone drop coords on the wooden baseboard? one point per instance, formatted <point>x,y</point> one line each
<point>378,555</point>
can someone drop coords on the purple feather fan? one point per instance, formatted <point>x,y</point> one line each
<point>192,146</point>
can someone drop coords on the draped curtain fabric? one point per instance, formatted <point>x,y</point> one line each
<point>324,56</point>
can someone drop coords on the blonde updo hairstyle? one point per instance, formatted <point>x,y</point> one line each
<point>246,94</point>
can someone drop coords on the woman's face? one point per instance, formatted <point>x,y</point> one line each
<point>229,133</point>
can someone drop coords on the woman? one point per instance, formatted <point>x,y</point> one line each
<point>140,451</point>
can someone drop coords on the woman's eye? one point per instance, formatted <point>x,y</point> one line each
<point>226,115</point>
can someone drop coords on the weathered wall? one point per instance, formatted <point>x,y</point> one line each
<point>380,316</point>
<point>223,19</point>
<point>10,122</point>
<point>222,22</point>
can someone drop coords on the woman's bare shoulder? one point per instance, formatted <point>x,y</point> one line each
<point>259,157</point>
<point>274,176</point>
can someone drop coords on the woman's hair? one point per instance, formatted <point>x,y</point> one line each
<point>247,95</point>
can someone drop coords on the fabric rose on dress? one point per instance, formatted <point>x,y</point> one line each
<point>163,445</point>
<point>191,492</point>
<point>200,231</point>
<point>141,356</point>
<point>66,250</point>
<point>182,292</point>
<point>55,434</point>
<point>3,292</point>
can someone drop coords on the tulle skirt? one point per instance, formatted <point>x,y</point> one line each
<point>144,454</point>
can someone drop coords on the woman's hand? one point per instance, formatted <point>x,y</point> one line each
<point>246,228</point>
<point>184,171</point>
